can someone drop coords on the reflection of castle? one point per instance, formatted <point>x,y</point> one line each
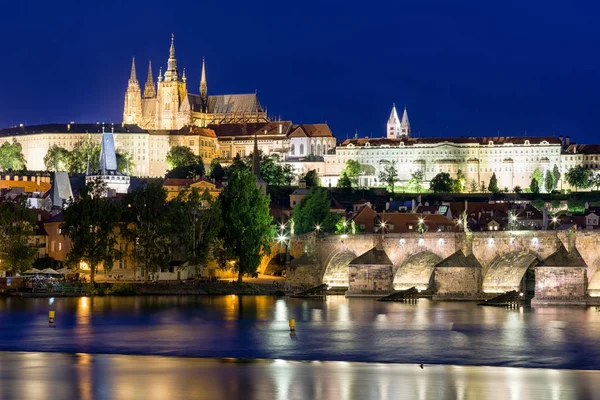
<point>168,105</point>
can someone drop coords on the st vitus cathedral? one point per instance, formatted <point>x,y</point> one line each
<point>169,105</point>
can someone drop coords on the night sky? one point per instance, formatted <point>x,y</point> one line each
<point>461,67</point>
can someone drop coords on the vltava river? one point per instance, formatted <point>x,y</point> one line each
<point>349,348</point>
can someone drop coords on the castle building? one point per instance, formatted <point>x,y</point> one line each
<point>169,106</point>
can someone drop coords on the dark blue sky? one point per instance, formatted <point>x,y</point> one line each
<point>461,67</point>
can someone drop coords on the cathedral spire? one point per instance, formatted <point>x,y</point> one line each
<point>203,87</point>
<point>393,124</point>
<point>133,77</point>
<point>171,74</point>
<point>393,115</point>
<point>149,90</point>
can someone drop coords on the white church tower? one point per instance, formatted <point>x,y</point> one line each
<point>397,128</point>
<point>393,124</point>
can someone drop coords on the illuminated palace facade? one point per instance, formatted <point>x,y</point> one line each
<point>512,159</point>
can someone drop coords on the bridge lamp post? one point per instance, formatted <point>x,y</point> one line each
<point>555,221</point>
<point>317,228</point>
<point>284,241</point>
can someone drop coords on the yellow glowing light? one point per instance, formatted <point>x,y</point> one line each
<point>318,227</point>
<point>83,265</point>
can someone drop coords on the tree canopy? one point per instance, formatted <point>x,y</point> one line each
<point>183,163</point>
<point>89,222</point>
<point>493,186</point>
<point>416,181</point>
<point>534,186</point>
<point>441,183</point>
<point>578,177</point>
<point>312,179</point>
<point>274,172</point>
<point>314,210</point>
<point>352,171</point>
<point>247,231</point>
<point>389,175</point>
<point>549,183</point>
<point>217,172</point>
<point>16,228</point>
<point>11,156</point>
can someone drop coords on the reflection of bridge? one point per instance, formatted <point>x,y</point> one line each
<point>454,265</point>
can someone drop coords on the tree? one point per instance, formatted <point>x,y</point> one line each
<point>473,186</point>
<point>148,227</point>
<point>458,185</point>
<point>578,177</point>
<point>389,175</point>
<point>57,159</point>
<point>11,156</point>
<point>274,172</point>
<point>217,172</point>
<point>493,186</point>
<point>247,231</point>
<point>595,180</point>
<point>344,181</point>
<point>416,180</point>
<point>534,186</point>
<point>538,175</point>
<point>549,181</point>
<point>124,161</point>
<point>188,171</point>
<point>518,189</point>
<point>181,156</point>
<point>352,170</point>
<point>312,178</point>
<point>83,153</point>
<point>89,222</point>
<point>441,183</point>
<point>557,175</point>
<point>195,222</point>
<point>313,210</point>
<point>16,228</point>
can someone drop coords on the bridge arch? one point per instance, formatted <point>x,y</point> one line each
<point>336,269</point>
<point>507,271</point>
<point>416,271</point>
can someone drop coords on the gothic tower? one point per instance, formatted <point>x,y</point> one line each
<point>149,89</point>
<point>405,125</point>
<point>203,89</point>
<point>393,124</point>
<point>172,92</point>
<point>132,110</point>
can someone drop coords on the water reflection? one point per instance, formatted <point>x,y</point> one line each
<point>53,375</point>
<point>337,329</point>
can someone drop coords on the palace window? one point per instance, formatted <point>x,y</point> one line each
<point>301,149</point>
<point>293,150</point>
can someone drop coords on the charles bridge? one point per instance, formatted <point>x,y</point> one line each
<point>552,266</point>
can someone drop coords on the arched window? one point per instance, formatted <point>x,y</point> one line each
<point>302,149</point>
<point>312,149</point>
<point>324,148</point>
<point>318,149</point>
<point>293,151</point>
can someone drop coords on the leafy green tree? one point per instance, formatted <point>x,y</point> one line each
<point>578,177</point>
<point>16,228</point>
<point>557,175</point>
<point>518,189</point>
<point>247,231</point>
<point>473,186</point>
<point>389,175</point>
<point>352,170</point>
<point>237,164</point>
<point>595,180</point>
<point>458,185</point>
<point>11,156</point>
<point>147,226</point>
<point>312,179</point>
<point>313,210</point>
<point>85,151</point>
<point>416,181</point>
<point>195,223</point>
<point>274,172</point>
<point>57,159</point>
<point>344,182</point>
<point>124,161</point>
<point>217,172</point>
<point>493,186</point>
<point>549,181</point>
<point>181,156</point>
<point>534,186</point>
<point>538,175</point>
<point>89,222</point>
<point>441,183</point>
<point>188,171</point>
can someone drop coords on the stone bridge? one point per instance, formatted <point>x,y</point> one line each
<point>555,265</point>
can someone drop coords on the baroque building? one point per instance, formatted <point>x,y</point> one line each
<point>167,105</point>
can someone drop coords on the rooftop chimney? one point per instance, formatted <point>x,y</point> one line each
<point>568,140</point>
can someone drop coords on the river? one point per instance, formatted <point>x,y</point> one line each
<point>242,344</point>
